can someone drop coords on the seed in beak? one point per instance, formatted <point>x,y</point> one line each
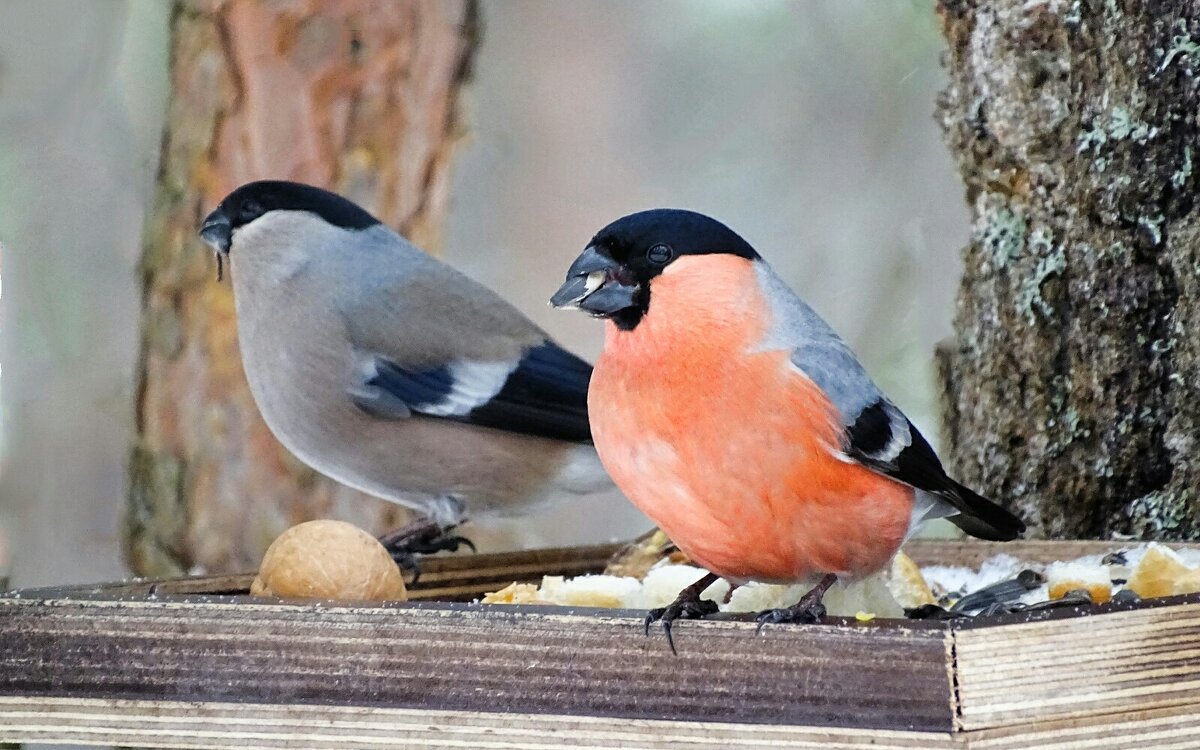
<point>595,280</point>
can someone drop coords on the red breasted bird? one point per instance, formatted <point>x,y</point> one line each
<point>733,416</point>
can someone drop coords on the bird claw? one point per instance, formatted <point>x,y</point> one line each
<point>421,538</point>
<point>683,608</point>
<point>933,612</point>
<point>443,542</point>
<point>804,613</point>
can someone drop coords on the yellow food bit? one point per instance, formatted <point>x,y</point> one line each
<point>1157,572</point>
<point>864,616</point>
<point>513,593</point>
<point>1100,592</point>
<point>1188,583</point>
<point>907,584</point>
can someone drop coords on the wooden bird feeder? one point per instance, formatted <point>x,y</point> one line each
<point>198,663</point>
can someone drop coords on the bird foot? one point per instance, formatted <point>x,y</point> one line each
<point>807,611</point>
<point>687,606</point>
<point>423,537</point>
<point>803,615</point>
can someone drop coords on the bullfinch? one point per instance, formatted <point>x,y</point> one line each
<point>735,418</point>
<point>391,372</point>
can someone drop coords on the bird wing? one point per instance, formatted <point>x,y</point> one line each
<point>876,433</point>
<point>431,341</point>
<point>543,393</point>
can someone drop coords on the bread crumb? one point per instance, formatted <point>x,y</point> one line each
<point>1157,572</point>
<point>869,594</point>
<point>514,593</point>
<point>1188,583</point>
<point>664,582</point>
<point>589,591</point>
<point>1065,577</point>
<point>907,584</point>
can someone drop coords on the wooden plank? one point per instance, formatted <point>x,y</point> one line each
<point>467,577</point>
<point>477,657</point>
<point>235,726</point>
<point>1078,663</point>
<point>443,578</point>
<point>971,553</point>
<point>231,725</point>
<point>1053,678</point>
<point>1165,729</point>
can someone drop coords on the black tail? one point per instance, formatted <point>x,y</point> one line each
<point>982,518</point>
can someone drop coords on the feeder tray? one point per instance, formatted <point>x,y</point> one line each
<point>198,663</point>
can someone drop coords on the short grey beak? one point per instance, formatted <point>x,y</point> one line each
<point>217,231</point>
<point>609,299</point>
<point>592,286</point>
<point>569,294</point>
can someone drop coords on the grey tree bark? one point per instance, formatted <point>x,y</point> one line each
<point>356,95</point>
<point>1070,386</point>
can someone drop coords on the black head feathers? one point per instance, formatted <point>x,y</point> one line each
<point>255,199</point>
<point>660,235</point>
<point>614,275</point>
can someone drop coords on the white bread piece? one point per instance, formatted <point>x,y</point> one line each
<point>869,595</point>
<point>1065,577</point>
<point>1156,572</point>
<point>907,584</point>
<point>664,582</point>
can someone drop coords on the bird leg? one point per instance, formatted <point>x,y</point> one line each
<point>808,610</point>
<point>421,537</point>
<point>687,606</point>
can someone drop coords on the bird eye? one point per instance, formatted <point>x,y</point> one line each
<point>251,209</point>
<point>660,254</point>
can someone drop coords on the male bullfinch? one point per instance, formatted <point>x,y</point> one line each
<point>735,418</point>
<point>391,372</point>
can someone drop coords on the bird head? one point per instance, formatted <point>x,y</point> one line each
<point>287,205</point>
<point>614,276</point>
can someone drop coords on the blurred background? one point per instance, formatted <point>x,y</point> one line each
<point>806,126</point>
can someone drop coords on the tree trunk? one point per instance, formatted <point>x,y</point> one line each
<point>359,96</point>
<point>1071,383</point>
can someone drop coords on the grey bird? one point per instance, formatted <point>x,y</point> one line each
<point>393,373</point>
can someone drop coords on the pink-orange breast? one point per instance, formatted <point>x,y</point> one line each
<point>729,448</point>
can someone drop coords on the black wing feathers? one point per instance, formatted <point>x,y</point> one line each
<point>416,388</point>
<point>544,396</point>
<point>918,466</point>
<point>872,430</point>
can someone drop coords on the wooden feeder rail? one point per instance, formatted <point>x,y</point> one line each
<point>197,663</point>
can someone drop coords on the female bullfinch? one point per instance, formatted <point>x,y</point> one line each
<point>395,374</point>
<point>733,416</point>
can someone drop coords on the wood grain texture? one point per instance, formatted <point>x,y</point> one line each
<point>230,725</point>
<point>161,664</point>
<point>972,553</point>
<point>1168,729</point>
<point>443,578</point>
<point>238,726</point>
<point>474,657</point>
<point>468,577</point>
<point>1073,664</point>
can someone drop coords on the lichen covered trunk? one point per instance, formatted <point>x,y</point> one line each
<point>358,96</point>
<point>1071,382</point>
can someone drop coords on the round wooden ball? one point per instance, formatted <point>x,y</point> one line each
<point>328,560</point>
